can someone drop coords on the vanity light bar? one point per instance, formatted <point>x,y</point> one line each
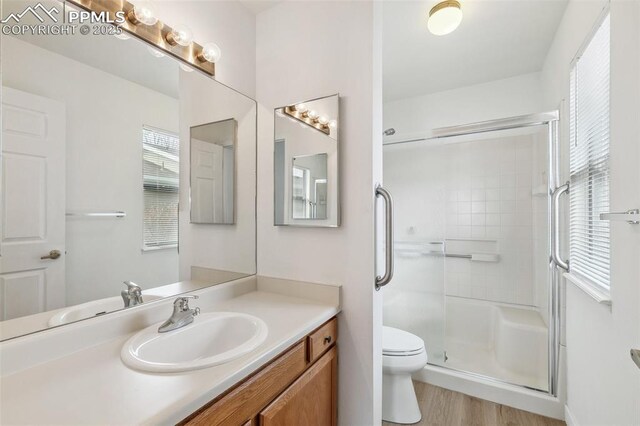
<point>304,117</point>
<point>159,34</point>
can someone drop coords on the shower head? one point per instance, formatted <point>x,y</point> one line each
<point>389,132</point>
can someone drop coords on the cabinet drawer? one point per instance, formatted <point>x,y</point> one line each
<point>244,402</point>
<point>322,339</point>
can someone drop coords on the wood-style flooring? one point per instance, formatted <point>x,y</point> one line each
<point>442,407</point>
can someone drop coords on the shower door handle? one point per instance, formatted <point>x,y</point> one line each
<point>381,281</point>
<point>555,225</point>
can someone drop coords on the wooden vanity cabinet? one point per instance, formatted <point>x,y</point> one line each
<point>299,387</point>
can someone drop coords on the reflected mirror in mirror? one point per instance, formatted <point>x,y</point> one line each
<point>95,157</point>
<point>213,172</point>
<point>309,187</point>
<point>306,158</point>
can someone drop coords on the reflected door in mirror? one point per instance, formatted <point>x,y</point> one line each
<point>33,211</point>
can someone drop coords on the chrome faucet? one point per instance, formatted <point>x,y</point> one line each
<point>182,315</point>
<point>132,296</point>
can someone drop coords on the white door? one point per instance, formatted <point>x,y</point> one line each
<point>32,204</point>
<point>206,181</point>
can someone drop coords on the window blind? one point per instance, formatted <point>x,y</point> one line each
<point>589,160</point>
<point>160,182</point>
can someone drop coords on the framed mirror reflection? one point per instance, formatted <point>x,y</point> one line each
<point>306,159</point>
<point>97,137</point>
<point>213,167</point>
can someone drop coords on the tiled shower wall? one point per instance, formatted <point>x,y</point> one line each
<point>482,194</point>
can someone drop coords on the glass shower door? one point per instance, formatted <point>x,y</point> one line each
<point>414,301</point>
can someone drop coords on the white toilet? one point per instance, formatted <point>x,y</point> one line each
<point>403,353</point>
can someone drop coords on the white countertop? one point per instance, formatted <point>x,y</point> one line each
<point>93,386</point>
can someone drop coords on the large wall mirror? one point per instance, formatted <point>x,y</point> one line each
<point>306,163</point>
<point>97,135</point>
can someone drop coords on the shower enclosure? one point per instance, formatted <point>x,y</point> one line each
<point>472,246</point>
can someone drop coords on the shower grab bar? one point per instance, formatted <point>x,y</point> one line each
<point>381,281</point>
<point>555,226</point>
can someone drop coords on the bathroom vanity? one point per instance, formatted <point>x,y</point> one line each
<point>299,387</point>
<point>75,374</point>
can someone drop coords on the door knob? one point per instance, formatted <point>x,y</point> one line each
<point>53,254</point>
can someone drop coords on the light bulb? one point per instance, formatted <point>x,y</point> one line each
<point>210,53</point>
<point>155,52</point>
<point>444,17</point>
<point>313,114</point>
<point>186,68</point>
<point>333,124</point>
<point>301,108</point>
<point>181,35</point>
<point>323,120</point>
<point>143,13</point>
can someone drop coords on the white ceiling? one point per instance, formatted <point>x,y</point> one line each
<point>496,39</point>
<point>257,6</point>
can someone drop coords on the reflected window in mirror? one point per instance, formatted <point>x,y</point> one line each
<point>306,158</point>
<point>309,192</point>
<point>161,188</point>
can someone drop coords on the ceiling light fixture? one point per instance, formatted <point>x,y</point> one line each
<point>444,17</point>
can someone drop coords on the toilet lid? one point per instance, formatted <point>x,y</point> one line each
<point>396,341</point>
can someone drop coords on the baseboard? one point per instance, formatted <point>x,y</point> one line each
<point>568,417</point>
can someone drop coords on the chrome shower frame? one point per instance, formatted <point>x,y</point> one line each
<point>550,120</point>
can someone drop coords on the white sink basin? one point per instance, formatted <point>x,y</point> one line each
<point>212,339</point>
<point>92,309</point>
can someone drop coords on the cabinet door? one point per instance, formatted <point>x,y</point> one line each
<point>311,400</point>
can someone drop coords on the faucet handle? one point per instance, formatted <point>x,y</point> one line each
<point>182,302</point>
<point>132,287</point>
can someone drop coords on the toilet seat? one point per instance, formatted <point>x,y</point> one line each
<point>396,342</point>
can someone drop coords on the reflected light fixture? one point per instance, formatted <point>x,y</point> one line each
<point>301,114</point>
<point>186,68</point>
<point>444,17</point>
<point>155,52</point>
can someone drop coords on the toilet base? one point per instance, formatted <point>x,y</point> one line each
<point>399,401</point>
